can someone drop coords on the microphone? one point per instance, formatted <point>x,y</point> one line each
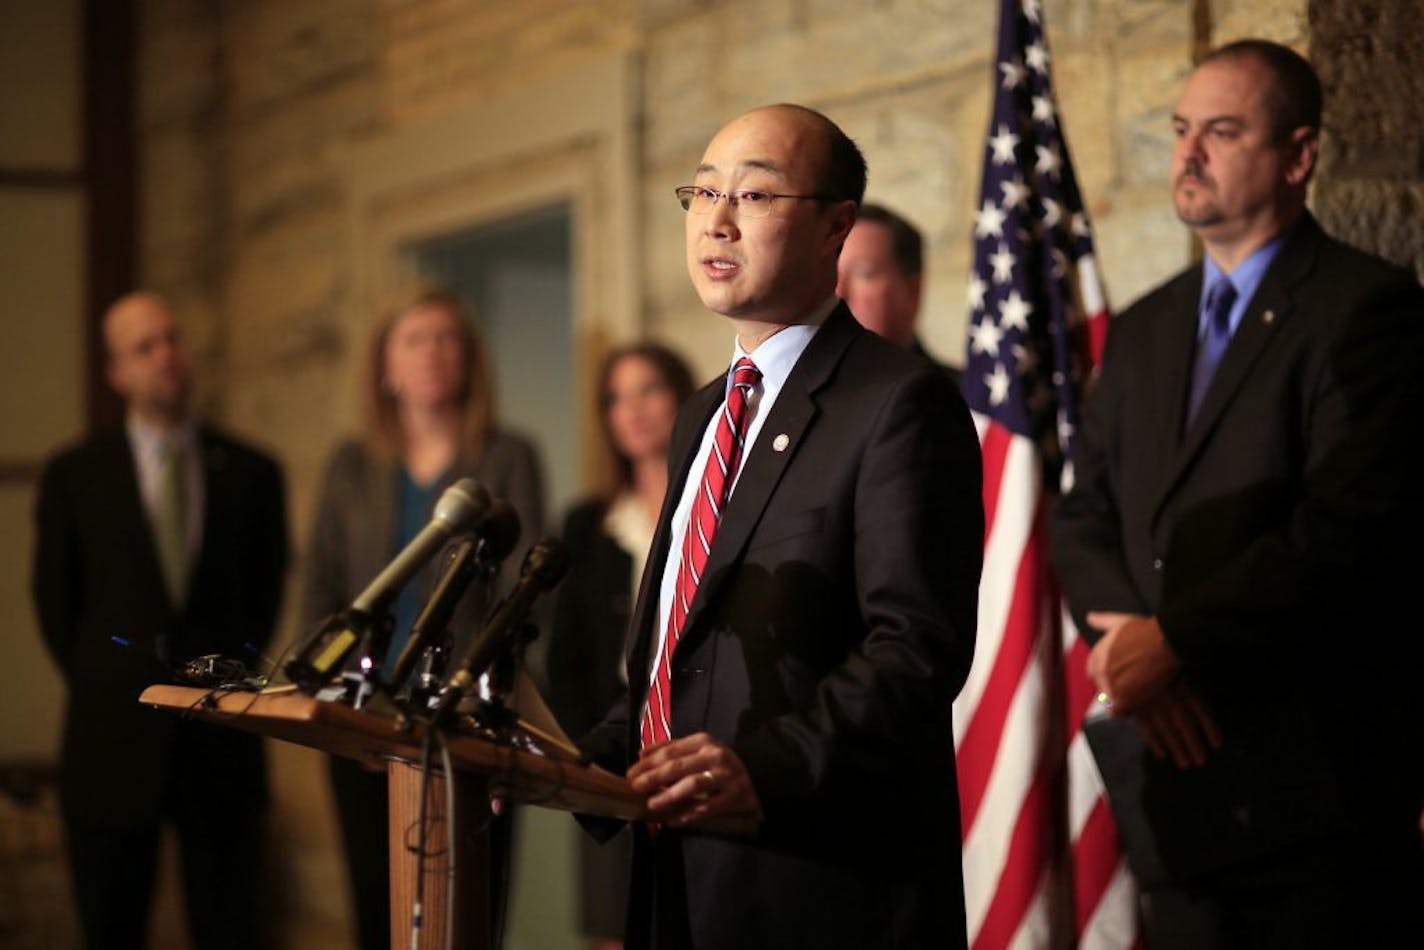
<point>543,567</point>
<point>499,532</point>
<point>493,540</point>
<point>459,508</point>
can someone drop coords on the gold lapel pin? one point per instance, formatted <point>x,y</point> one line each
<point>780,443</point>
<point>1269,317</point>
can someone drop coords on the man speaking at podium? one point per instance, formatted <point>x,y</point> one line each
<point>807,613</point>
<point>156,543</point>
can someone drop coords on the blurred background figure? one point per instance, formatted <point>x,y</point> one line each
<point>430,421</point>
<point>157,542</point>
<point>881,273</point>
<point>639,391</point>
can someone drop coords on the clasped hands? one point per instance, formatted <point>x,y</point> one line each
<point>1135,669</point>
<point>697,782</point>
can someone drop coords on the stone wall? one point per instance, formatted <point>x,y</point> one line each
<point>251,110</point>
<point>1371,183</point>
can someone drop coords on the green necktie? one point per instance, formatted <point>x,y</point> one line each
<point>172,522</point>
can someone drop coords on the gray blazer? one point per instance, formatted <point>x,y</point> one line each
<point>354,533</point>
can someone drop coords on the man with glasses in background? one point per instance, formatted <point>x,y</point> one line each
<point>807,613</point>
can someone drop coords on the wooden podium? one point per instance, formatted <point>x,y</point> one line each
<point>478,764</point>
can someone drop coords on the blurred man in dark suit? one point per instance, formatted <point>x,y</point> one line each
<point>881,277</point>
<point>1242,546</point>
<point>155,543</point>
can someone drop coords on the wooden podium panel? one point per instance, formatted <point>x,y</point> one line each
<point>356,733</point>
<point>480,766</point>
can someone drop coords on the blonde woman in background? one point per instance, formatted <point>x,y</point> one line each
<point>430,420</point>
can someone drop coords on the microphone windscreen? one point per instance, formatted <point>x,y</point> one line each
<point>500,530</point>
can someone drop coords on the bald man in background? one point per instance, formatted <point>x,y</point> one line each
<point>157,542</point>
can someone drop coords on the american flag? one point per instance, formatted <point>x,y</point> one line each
<point>1038,836</point>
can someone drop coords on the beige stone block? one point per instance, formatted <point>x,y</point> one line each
<point>1139,243</point>
<point>181,202</point>
<point>1138,26</point>
<point>179,69</point>
<point>284,291</point>
<point>682,99</point>
<point>1283,21</point>
<point>1384,217</point>
<point>277,49</point>
<point>1086,92</point>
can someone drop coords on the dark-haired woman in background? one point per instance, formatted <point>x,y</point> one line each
<point>640,389</point>
<point>430,420</point>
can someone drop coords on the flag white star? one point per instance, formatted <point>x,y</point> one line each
<point>1032,9</point>
<point>1065,429</point>
<point>1079,224</point>
<point>976,292</point>
<point>1049,161</point>
<point>1043,110</point>
<point>989,220</point>
<point>1003,263</point>
<point>1003,145</point>
<point>1014,73</point>
<point>1015,193</point>
<point>985,337</point>
<point>1013,312</point>
<point>1052,212</point>
<point>998,383</point>
<point>1037,57</point>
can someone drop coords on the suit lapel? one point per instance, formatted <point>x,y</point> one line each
<point>1270,309</point>
<point>791,415</point>
<point>128,504</point>
<point>681,455</point>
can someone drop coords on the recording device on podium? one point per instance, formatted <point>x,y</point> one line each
<point>366,622</point>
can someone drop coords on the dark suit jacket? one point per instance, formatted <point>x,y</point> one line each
<point>833,627</point>
<point>1276,540</point>
<point>590,621</point>
<point>97,581</point>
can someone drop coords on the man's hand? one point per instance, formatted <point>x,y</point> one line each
<point>1132,663</point>
<point>697,782</point>
<point>1178,723</point>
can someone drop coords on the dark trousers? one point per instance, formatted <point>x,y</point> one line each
<point>363,811</point>
<point>113,872</point>
<point>1322,894</point>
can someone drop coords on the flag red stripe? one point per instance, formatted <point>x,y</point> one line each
<point>1095,860</point>
<point>995,449</point>
<point>1021,632</point>
<point>1096,331</point>
<point>1023,869</point>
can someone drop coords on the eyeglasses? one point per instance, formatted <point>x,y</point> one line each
<point>700,199</point>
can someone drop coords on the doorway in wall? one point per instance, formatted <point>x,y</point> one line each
<point>516,273</point>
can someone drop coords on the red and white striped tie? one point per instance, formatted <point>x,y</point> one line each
<point>717,479</point>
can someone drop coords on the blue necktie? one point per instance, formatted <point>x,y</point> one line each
<point>1212,342</point>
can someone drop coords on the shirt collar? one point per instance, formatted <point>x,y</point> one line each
<point>151,441</point>
<point>1248,274</point>
<point>778,353</point>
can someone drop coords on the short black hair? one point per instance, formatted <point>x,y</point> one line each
<point>906,243</point>
<point>1295,98</point>
<point>845,165</point>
